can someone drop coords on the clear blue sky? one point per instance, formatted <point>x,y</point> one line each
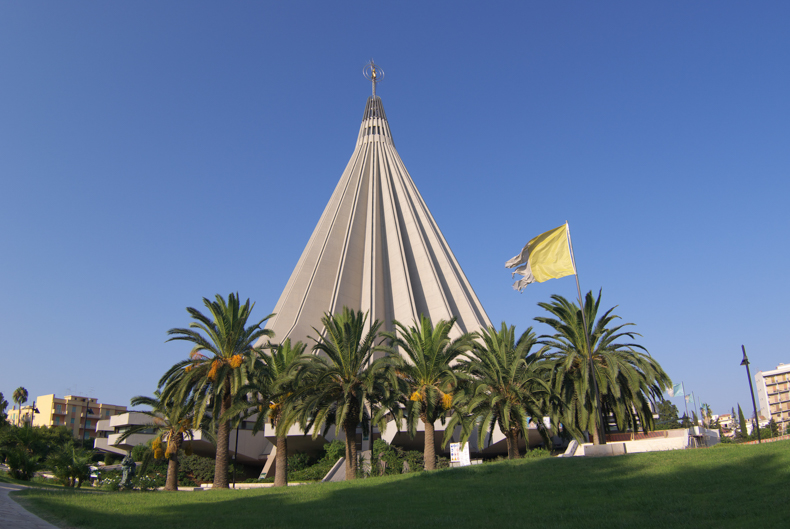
<point>153,153</point>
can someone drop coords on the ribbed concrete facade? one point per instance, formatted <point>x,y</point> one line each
<point>376,248</point>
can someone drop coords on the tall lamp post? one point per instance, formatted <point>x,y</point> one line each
<point>236,453</point>
<point>745,362</point>
<point>33,411</point>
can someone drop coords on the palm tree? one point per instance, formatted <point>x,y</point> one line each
<point>337,388</point>
<point>71,464</point>
<point>512,386</point>
<point>429,380</point>
<point>20,397</point>
<point>215,370</point>
<point>270,391</point>
<point>173,423</point>
<point>706,413</point>
<point>628,380</point>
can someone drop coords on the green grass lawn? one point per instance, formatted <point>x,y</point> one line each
<point>725,486</point>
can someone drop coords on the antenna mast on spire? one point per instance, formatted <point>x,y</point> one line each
<point>373,73</point>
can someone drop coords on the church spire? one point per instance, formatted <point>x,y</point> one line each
<point>376,248</point>
<point>373,73</point>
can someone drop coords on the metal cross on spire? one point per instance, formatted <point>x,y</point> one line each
<point>373,73</point>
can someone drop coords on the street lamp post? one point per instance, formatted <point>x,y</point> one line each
<point>745,362</point>
<point>236,453</point>
<point>33,411</point>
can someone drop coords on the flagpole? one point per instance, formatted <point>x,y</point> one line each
<point>699,408</point>
<point>694,405</point>
<point>685,402</point>
<point>599,412</point>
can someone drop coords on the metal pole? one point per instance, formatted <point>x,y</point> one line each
<point>685,402</point>
<point>236,453</point>
<point>694,405</point>
<point>745,362</point>
<point>591,374</point>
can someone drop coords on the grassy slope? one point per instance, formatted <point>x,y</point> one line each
<point>726,486</point>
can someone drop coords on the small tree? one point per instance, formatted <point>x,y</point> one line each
<point>773,427</point>
<point>667,416</point>
<point>173,425</point>
<point>743,431</point>
<point>70,464</point>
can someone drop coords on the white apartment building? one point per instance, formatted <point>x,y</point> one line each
<point>773,391</point>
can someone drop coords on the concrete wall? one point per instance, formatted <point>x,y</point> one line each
<point>673,440</point>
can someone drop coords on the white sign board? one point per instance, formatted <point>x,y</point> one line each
<point>460,455</point>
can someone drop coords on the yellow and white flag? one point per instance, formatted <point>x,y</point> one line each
<point>547,256</point>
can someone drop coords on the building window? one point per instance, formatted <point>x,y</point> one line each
<point>72,420</point>
<point>73,410</point>
<point>87,424</point>
<point>56,420</point>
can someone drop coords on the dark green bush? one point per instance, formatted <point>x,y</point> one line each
<point>198,469</point>
<point>537,453</point>
<point>334,451</point>
<point>139,452</point>
<point>298,462</point>
<point>394,457</point>
<point>330,454</point>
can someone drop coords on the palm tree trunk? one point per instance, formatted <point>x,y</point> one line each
<point>429,452</point>
<point>596,435</point>
<point>281,462</point>
<point>351,451</point>
<point>223,435</point>
<point>511,438</point>
<point>171,483</point>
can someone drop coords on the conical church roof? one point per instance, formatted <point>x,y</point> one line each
<point>376,248</point>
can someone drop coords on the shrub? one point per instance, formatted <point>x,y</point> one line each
<point>331,453</point>
<point>198,469</point>
<point>395,456</point>
<point>334,451</point>
<point>71,465</point>
<point>537,453</point>
<point>109,481</point>
<point>21,463</point>
<point>298,462</point>
<point>139,452</point>
<point>149,482</point>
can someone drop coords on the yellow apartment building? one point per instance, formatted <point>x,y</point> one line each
<point>79,414</point>
<point>773,391</point>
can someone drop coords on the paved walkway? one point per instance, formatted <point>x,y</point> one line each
<point>13,516</point>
